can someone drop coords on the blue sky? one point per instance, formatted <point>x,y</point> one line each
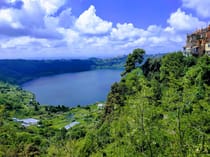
<point>51,29</point>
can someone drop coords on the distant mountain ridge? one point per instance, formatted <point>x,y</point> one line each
<point>18,71</point>
<point>113,63</point>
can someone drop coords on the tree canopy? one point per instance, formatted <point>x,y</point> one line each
<point>134,59</point>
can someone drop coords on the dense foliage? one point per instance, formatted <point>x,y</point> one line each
<point>159,109</point>
<point>134,59</point>
<point>49,137</point>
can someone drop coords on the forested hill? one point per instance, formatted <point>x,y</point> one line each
<point>113,63</point>
<point>159,109</point>
<point>19,71</point>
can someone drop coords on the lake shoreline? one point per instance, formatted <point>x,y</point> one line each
<point>73,89</point>
<point>54,74</point>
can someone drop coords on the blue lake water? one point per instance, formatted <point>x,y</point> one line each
<point>73,89</point>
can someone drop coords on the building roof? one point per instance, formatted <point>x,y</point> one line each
<point>27,121</point>
<point>30,121</point>
<point>100,105</point>
<point>71,125</point>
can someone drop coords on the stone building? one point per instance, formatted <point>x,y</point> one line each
<point>198,43</point>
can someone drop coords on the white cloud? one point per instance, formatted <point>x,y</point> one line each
<point>200,6</point>
<point>48,7</point>
<point>31,32</point>
<point>169,29</point>
<point>7,17</point>
<point>70,36</point>
<point>155,40</point>
<point>179,20</point>
<point>51,6</point>
<point>154,30</point>
<point>24,41</point>
<point>127,31</point>
<point>66,19</point>
<point>32,14</point>
<point>88,22</point>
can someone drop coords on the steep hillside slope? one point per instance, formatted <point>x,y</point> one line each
<point>162,110</point>
<point>159,109</point>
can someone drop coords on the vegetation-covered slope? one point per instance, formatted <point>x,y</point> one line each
<point>48,137</point>
<point>113,63</point>
<point>159,109</point>
<point>20,71</point>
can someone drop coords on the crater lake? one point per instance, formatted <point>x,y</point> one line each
<point>72,89</point>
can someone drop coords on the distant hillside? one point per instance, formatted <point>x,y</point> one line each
<point>158,109</point>
<point>113,63</point>
<point>20,71</point>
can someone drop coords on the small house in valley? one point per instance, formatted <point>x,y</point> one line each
<point>26,122</point>
<point>71,125</point>
<point>101,106</point>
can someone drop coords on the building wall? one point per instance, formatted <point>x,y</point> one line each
<point>207,47</point>
<point>208,36</point>
<point>198,43</point>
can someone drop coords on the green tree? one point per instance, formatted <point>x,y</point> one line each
<point>134,59</point>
